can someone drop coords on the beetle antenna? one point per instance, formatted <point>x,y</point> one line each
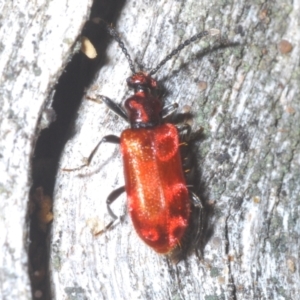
<point>194,38</point>
<point>113,32</point>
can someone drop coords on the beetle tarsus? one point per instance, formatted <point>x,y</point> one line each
<point>106,139</point>
<point>112,197</point>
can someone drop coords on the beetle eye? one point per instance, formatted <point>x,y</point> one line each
<point>142,80</point>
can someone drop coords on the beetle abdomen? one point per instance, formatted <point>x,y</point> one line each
<point>158,199</point>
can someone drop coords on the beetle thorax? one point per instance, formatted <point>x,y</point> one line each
<point>144,107</point>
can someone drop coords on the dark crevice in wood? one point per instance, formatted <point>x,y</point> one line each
<point>69,91</point>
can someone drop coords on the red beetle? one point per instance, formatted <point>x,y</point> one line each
<point>158,198</point>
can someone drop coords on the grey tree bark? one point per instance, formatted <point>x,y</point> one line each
<point>37,37</point>
<point>246,96</point>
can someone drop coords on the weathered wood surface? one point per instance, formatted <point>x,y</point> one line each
<point>37,38</point>
<point>248,159</point>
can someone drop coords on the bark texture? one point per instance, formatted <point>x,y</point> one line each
<point>246,96</point>
<point>37,38</point>
<point>243,90</point>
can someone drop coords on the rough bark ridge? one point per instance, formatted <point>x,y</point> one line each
<point>244,93</point>
<point>246,96</point>
<point>36,41</point>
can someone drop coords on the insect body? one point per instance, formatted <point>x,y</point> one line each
<point>158,198</point>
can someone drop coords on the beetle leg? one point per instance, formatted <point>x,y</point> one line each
<point>106,139</point>
<point>117,109</point>
<point>196,202</point>
<point>110,199</point>
<point>184,131</point>
<point>169,110</point>
<point>186,134</point>
<point>186,137</point>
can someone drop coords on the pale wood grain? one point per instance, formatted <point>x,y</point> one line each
<point>248,160</point>
<point>36,39</point>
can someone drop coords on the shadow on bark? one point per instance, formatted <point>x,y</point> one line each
<point>69,91</point>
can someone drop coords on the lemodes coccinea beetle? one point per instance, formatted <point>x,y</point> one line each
<point>158,197</point>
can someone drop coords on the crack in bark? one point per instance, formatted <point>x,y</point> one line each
<point>68,94</point>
